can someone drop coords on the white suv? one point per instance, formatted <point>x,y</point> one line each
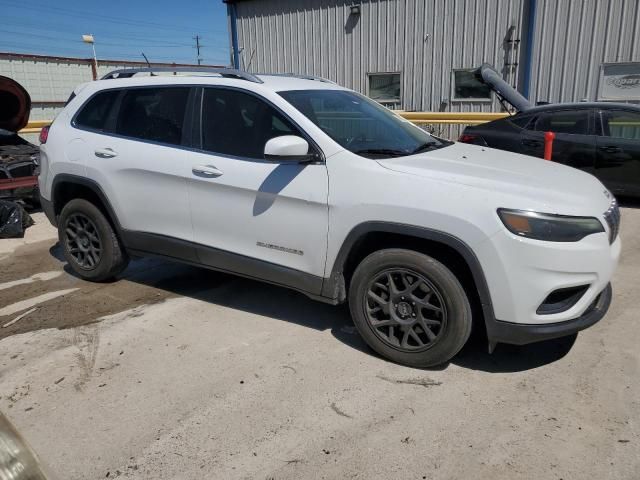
<point>302,183</point>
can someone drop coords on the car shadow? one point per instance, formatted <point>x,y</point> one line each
<point>512,358</point>
<point>287,305</point>
<point>628,202</point>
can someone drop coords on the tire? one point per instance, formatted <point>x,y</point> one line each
<point>425,295</point>
<point>95,253</point>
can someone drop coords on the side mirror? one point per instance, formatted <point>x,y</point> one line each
<point>287,148</point>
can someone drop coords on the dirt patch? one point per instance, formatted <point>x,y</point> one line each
<point>146,281</point>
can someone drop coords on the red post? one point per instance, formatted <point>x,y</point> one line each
<point>548,144</point>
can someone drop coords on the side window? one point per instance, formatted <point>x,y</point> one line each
<point>155,114</point>
<point>521,120</point>
<point>574,122</point>
<point>239,124</point>
<point>96,111</point>
<point>620,124</point>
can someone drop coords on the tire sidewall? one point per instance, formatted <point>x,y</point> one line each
<point>458,326</point>
<point>108,257</point>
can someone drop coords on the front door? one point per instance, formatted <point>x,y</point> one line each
<point>250,215</point>
<point>574,143</point>
<point>618,161</point>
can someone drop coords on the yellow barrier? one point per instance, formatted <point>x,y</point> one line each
<point>447,118</point>
<point>452,118</point>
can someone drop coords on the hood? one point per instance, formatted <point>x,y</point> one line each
<point>489,76</point>
<point>15,105</point>
<point>532,182</point>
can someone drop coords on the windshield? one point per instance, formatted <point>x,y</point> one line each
<point>361,125</point>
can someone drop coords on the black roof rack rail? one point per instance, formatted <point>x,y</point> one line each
<point>223,72</point>
<point>299,75</point>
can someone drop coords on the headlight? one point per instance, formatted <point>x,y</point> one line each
<point>549,227</point>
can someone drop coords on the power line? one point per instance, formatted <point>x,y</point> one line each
<point>76,41</point>
<point>91,15</point>
<point>160,41</point>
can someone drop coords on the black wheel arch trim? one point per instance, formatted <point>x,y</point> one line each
<point>334,287</point>
<point>90,184</point>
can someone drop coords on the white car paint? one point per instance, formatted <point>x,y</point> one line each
<point>221,201</point>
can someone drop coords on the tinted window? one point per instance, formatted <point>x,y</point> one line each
<point>520,120</point>
<point>361,125</point>
<point>239,124</point>
<point>155,114</point>
<point>570,121</point>
<point>96,111</point>
<point>621,124</point>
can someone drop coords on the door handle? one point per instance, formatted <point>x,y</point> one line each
<point>206,171</point>
<point>610,148</point>
<point>105,153</point>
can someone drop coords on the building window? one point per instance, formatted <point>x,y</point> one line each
<point>467,88</point>
<point>385,88</point>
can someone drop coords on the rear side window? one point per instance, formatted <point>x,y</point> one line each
<point>621,124</point>
<point>154,114</point>
<point>95,112</point>
<point>521,120</point>
<point>239,124</point>
<point>574,122</point>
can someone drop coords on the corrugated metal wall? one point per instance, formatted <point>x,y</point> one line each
<point>422,39</point>
<point>50,80</point>
<point>573,38</point>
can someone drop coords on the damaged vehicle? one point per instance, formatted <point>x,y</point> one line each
<point>19,159</point>
<point>601,138</point>
<point>299,182</point>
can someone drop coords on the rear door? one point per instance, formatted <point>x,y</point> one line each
<point>618,158</point>
<point>575,141</point>
<point>139,157</point>
<point>247,212</point>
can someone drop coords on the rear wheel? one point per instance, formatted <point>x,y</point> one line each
<point>409,307</point>
<point>90,245</point>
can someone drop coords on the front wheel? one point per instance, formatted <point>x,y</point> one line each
<point>89,243</point>
<point>409,307</point>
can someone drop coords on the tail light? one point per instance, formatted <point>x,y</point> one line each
<point>471,138</point>
<point>44,134</point>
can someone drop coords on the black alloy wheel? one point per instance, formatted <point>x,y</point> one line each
<point>406,310</point>
<point>82,241</point>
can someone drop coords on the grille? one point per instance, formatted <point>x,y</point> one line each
<point>612,216</point>
<point>21,170</point>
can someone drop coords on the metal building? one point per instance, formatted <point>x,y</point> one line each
<point>418,54</point>
<point>50,80</point>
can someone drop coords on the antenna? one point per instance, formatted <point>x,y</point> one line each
<point>148,64</point>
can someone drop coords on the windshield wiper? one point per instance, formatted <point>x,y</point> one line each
<point>425,146</point>
<point>382,151</point>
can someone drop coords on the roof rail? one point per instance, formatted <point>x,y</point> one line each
<point>223,72</point>
<point>296,75</point>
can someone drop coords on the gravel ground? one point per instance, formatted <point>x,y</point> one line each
<point>178,372</point>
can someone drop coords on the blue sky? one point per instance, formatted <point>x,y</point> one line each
<point>162,29</point>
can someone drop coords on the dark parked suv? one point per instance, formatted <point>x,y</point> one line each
<point>600,138</point>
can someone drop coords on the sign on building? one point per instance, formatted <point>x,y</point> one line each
<point>619,81</point>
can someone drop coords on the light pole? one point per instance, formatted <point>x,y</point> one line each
<point>94,68</point>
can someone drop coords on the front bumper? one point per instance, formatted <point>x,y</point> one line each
<point>522,334</point>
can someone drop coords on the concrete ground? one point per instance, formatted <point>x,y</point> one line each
<point>178,372</point>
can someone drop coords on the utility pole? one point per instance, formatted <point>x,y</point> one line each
<point>198,46</point>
